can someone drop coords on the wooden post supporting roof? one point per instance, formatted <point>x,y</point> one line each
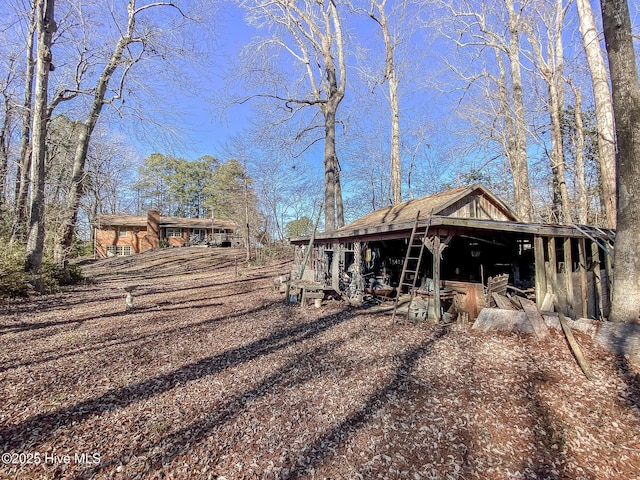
<point>595,257</point>
<point>582,260</point>
<point>541,278</point>
<point>551,268</point>
<point>357,271</point>
<point>436,277</point>
<point>568,275</point>
<point>335,267</point>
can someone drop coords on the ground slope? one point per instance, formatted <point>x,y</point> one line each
<point>213,376</point>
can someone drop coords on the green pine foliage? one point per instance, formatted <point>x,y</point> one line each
<point>300,227</point>
<point>14,281</point>
<point>192,188</point>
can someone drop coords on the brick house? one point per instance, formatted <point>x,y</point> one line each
<point>130,234</point>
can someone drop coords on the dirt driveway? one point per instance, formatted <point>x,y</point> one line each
<point>212,375</point>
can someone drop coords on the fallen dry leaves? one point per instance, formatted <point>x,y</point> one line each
<point>213,376</point>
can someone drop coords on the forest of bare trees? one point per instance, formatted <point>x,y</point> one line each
<point>355,104</point>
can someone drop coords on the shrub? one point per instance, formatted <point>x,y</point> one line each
<point>14,281</point>
<point>53,275</point>
<point>276,251</point>
<point>81,248</point>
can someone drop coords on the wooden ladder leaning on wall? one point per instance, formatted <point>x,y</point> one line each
<point>411,264</point>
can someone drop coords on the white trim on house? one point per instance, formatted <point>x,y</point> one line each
<point>173,232</point>
<point>118,250</point>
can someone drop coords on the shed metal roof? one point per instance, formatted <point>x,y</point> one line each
<point>432,205</point>
<point>397,221</point>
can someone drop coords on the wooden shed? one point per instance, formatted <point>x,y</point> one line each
<point>471,236</point>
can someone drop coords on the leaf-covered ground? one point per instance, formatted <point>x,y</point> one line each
<point>212,375</point>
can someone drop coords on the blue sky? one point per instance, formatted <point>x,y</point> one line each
<point>429,114</point>
<point>204,125</point>
<point>207,128</point>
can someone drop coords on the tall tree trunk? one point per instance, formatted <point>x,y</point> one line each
<point>46,26</point>
<point>24,161</point>
<point>4,147</point>
<point>246,209</point>
<point>561,193</point>
<point>330,169</point>
<point>557,105</point>
<point>519,161</point>
<point>339,204</point>
<point>315,27</point>
<point>604,110</point>
<point>67,227</point>
<point>551,70</point>
<point>396,168</point>
<point>625,305</point>
<point>578,146</point>
<point>394,101</point>
<point>333,214</point>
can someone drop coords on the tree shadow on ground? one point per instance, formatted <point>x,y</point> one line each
<point>37,429</point>
<point>325,446</point>
<point>632,379</point>
<point>163,451</point>
<point>163,271</point>
<point>116,339</point>
<point>550,436</point>
<point>19,327</point>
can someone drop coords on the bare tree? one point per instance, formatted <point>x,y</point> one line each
<point>379,14</point>
<point>311,31</point>
<point>604,109</point>
<point>111,164</point>
<point>518,143</point>
<point>502,85</point>
<point>577,138</point>
<point>123,57</point>
<point>24,159</point>
<point>8,108</point>
<point>285,189</point>
<point>551,71</point>
<point>625,305</point>
<point>46,26</point>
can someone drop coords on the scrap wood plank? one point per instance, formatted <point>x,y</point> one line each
<point>534,316</point>
<point>514,301</point>
<point>548,302</point>
<point>510,321</point>
<point>498,284</point>
<point>502,301</point>
<point>575,348</point>
<point>502,320</point>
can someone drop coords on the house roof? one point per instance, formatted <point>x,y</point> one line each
<point>175,222</point>
<point>195,222</point>
<point>121,220</point>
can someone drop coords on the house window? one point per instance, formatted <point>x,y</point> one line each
<point>201,233</point>
<point>118,250</point>
<point>136,231</point>
<point>122,231</point>
<point>174,232</point>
